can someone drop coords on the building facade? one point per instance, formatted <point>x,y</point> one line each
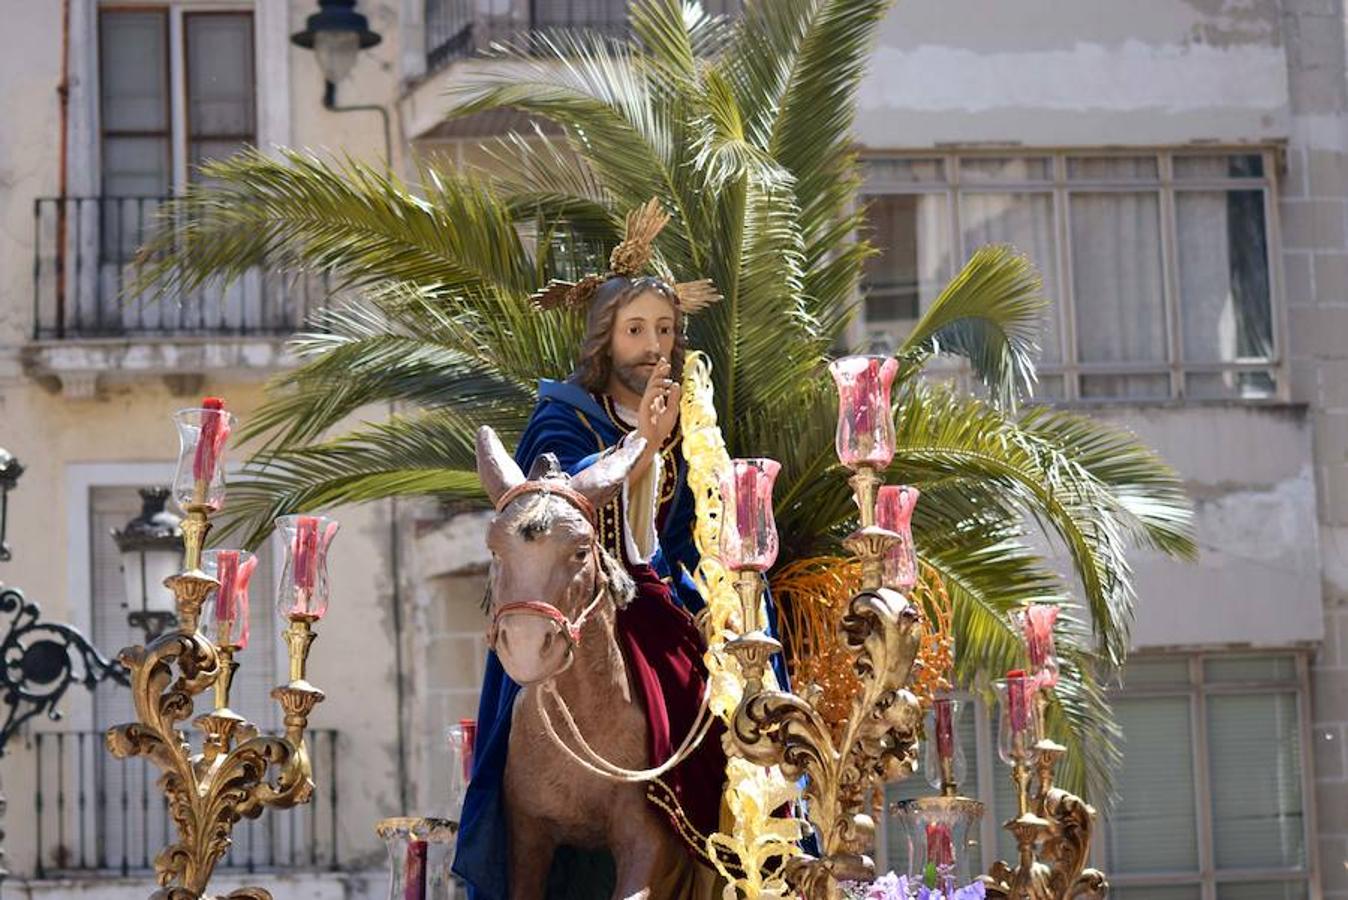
<point>1177,168</point>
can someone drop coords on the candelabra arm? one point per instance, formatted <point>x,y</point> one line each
<point>299,637</point>
<point>195,528</point>
<point>865,481</point>
<point>749,586</point>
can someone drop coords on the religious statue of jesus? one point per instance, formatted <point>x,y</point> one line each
<point>625,386</point>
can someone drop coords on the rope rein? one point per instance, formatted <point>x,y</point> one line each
<point>595,764</point>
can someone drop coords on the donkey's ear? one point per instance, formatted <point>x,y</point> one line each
<point>495,469</point>
<point>600,482</point>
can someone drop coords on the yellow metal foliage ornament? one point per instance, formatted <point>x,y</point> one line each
<point>753,792</point>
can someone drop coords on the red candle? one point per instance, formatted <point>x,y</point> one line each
<point>306,552</point>
<point>945,728</point>
<point>940,844</point>
<point>1018,700</point>
<point>210,443</point>
<point>469,739</point>
<point>227,573</point>
<point>414,870</point>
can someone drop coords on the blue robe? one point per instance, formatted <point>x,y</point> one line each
<point>576,427</point>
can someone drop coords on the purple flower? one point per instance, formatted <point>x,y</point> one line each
<point>887,887</point>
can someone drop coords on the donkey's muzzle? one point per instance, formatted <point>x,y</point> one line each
<point>533,640</point>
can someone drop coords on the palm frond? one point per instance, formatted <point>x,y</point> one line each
<point>430,454</point>
<point>300,212</point>
<point>990,314</point>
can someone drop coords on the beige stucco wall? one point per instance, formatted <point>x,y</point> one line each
<point>126,420</point>
<point>1047,74</point>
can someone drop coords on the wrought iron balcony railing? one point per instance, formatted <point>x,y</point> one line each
<point>85,256</point>
<point>95,813</point>
<point>454,30</point>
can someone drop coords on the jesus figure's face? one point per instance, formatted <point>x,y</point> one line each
<point>643,334</point>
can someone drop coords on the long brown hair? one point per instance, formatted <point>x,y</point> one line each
<point>596,363</point>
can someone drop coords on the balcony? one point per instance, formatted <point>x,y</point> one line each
<point>454,29</point>
<point>86,328</point>
<point>101,817</point>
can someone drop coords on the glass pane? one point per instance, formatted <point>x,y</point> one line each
<point>880,171</point>
<point>1124,387</point>
<point>1156,892</point>
<point>204,151</point>
<point>1116,277</point>
<point>220,75</point>
<point>132,72</point>
<point>1254,748</point>
<point>1143,672</point>
<point>1112,168</point>
<point>1262,890</point>
<point>1223,274</point>
<point>135,166</point>
<point>1239,165</point>
<point>1025,221</point>
<point>1152,827</point>
<point>1050,387</point>
<point>1001,169</point>
<point>912,233</point>
<point>916,785</point>
<point>1280,667</point>
<point>1230,385</point>
<point>126,223</point>
<point>609,16</point>
<point>1003,804</point>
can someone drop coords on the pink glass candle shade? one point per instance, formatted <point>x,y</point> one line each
<point>894,505</point>
<point>865,422</point>
<point>202,435</point>
<point>748,531</point>
<point>943,750</point>
<point>1037,623</point>
<point>227,614</point>
<point>303,591</point>
<point>1019,725</point>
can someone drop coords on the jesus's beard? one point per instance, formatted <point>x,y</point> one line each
<point>634,377</point>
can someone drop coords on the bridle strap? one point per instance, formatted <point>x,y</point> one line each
<point>549,486</point>
<point>570,628</point>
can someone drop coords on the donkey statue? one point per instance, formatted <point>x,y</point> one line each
<point>553,601</point>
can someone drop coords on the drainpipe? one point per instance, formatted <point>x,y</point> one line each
<point>63,93</point>
<point>395,572</point>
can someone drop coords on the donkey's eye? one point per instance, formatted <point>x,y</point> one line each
<point>580,554</point>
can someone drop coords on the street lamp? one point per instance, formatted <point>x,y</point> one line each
<point>336,33</point>
<point>10,470</point>
<point>151,545</point>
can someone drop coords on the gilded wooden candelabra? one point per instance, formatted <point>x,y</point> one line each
<point>876,743</point>
<point>239,772</point>
<point>1053,831</point>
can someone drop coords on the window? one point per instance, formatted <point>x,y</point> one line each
<point>1211,790</point>
<point>151,62</point>
<point>1158,266</point>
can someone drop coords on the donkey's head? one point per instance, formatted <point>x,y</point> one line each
<point>549,569</point>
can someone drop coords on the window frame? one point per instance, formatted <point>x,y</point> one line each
<point>953,187</point>
<point>1197,690</point>
<point>176,13</point>
<point>183,15</point>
